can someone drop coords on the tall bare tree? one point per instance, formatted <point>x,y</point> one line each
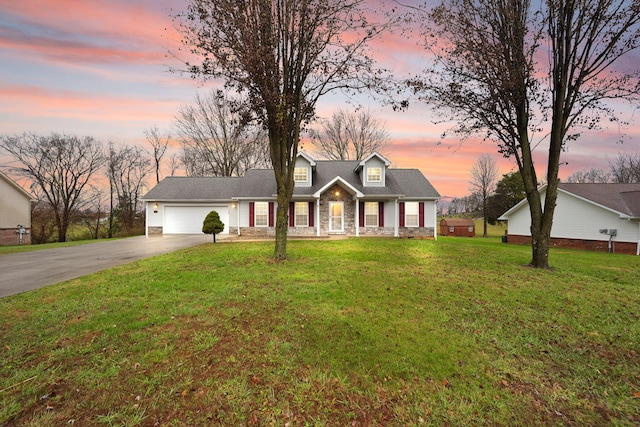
<point>484,174</point>
<point>285,55</point>
<point>625,168</point>
<point>488,79</point>
<point>219,138</point>
<point>351,136</point>
<point>127,169</point>
<point>61,166</point>
<point>159,144</point>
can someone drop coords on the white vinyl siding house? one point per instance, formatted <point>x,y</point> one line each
<point>583,212</point>
<point>330,197</point>
<point>15,210</point>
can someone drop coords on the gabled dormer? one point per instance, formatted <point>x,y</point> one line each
<point>303,172</point>
<point>372,170</point>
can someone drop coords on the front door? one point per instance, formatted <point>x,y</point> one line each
<point>336,216</point>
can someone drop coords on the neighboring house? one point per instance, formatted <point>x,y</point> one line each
<point>601,217</point>
<point>463,227</point>
<point>15,213</point>
<point>354,198</point>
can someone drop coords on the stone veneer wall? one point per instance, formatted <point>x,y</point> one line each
<point>348,214</point>
<point>155,231</point>
<point>419,232</point>
<point>9,237</point>
<point>591,245</point>
<point>377,231</point>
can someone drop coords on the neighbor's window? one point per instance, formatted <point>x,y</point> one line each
<point>411,214</point>
<point>470,229</point>
<point>301,174</point>
<point>371,214</point>
<point>302,214</point>
<point>374,174</point>
<point>451,229</point>
<point>261,214</point>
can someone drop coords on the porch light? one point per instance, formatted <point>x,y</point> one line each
<point>155,208</point>
<point>337,193</point>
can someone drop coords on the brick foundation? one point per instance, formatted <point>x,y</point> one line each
<point>9,237</point>
<point>589,245</point>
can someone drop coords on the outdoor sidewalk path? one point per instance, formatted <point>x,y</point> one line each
<point>22,272</point>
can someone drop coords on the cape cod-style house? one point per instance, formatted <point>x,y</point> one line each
<point>353,198</point>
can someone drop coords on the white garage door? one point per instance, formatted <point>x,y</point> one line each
<point>188,219</point>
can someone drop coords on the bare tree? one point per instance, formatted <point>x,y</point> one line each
<point>351,136</point>
<point>285,55</point>
<point>484,174</point>
<point>174,163</point>
<point>625,168</point>
<point>488,79</point>
<point>127,170</point>
<point>159,144</point>
<point>61,166</point>
<point>218,137</point>
<point>589,176</point>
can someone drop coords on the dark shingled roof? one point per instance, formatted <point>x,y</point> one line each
<point>260,183</point>
<point>623,198</point>
<point>179,188</point>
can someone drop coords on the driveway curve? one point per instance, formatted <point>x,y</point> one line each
<point>22,272</point>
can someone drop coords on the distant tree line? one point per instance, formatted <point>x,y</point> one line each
<point>624,168</point>
<point>78,181</point>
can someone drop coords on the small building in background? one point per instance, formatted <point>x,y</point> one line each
<point>15,213</point>
<point>463,227</point>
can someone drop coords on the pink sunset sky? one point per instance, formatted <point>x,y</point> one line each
<point>100,68</point>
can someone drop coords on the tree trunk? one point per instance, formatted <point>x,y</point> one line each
<point>282,226</point>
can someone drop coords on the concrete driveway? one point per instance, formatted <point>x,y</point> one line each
<point>25,271</point>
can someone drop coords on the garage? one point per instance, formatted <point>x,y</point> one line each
<point>188,219</point>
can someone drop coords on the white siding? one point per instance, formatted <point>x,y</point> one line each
<point>301,162</point>
<point>15,206</point>
<point>373,162</point>
<point>575,218</point>
<point>430,214</point>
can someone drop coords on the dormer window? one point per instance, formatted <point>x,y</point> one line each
<point>374,174</point>
<point>301,174</point>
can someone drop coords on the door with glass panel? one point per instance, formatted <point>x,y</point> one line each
<point>336,216</point>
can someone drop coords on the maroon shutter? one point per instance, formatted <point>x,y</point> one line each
<point>252,222</point>
<point>271,208</point>
<point>380,214</point>
<point>361,214</point>
<point>311,214</point>
<point>401,214</point>
<point>292,214</point>
<point>421,214</point>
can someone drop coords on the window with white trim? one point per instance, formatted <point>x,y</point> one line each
<point>411,213</point>
<point>261,214</point>
<point>371,214</point>
<point>301,174</point>
<point>374,174</point>
<point>302,214</point>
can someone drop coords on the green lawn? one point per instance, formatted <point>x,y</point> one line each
<point>356,332</point>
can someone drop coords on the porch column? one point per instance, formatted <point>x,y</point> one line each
<point>238,215</point>
<point>435,220</point>
<point>317,209</point>
<point>357,218</point>
<point>396,222</point>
